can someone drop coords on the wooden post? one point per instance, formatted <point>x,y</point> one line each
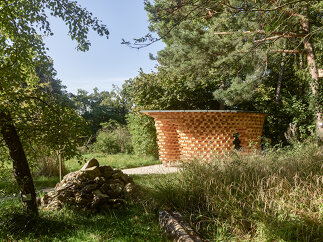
<point>60,165</point>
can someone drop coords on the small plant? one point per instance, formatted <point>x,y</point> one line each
<point>113,138</point>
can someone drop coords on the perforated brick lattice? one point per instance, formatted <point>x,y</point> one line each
<point>183,135</point>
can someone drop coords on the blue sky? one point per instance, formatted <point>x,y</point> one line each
<point>107,62</point>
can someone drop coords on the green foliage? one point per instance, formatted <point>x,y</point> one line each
<point>45,126</point>
<point>257,197</point>
<point>47,77</point>
<point>100,107</point>
<point>29,92</point>
<point>32,114</point>
<point>203,37</point>
<point>106,143</point>
<point>193,48</point>
<point>233,46</point>
<point>143,134</point>
<point>165,90</point>
<point>295,106</point>
<point>112,139</point>
<point>10,190</point>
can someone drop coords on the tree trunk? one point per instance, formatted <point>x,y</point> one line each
<point>314,73</point>
<point>20,164</point>
<point>222,103</point>
<point>280,77</point>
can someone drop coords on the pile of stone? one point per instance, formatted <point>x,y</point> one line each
<point>93,187</point>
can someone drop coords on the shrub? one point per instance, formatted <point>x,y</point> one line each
<point>143,134</point>
<point>49,166</point>
<point>112,139</point>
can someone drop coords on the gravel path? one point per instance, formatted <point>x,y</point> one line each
<point>154,169</point>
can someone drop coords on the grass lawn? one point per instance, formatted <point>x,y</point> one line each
<point>137,221</point>
<point>273,196</point>
<point>120,161</point>
<point>132,223</point>
<point>8,184</point>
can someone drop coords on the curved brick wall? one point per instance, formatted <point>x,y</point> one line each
<point>183,135</point>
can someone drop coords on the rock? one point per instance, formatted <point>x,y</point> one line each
<point>114,181</point>
<point>116,201</point>
<point>128,188</point>
<point>99,180</point>
<point>99,199</point>
<point>106,171</point>
<point>104,188</point>
<point>117,174</point>
<point>125,178</point>
<point>38,201</point>
<point>90,173</point>
<point>54,205</point>
<point>92,162</point>
<point>44,199</point>
<point>92,187</point>
<point>114,189</point>
<point>72,177</point>
<point>99,193</point>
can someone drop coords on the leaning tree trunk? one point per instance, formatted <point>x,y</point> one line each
<point>20,164</point>
<point>314,74</point>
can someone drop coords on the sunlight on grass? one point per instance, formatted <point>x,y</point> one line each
<point>273,196</point>
<point>120,161</point>
<point>8,184</point>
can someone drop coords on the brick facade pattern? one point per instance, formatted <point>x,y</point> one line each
<point>185,135</point>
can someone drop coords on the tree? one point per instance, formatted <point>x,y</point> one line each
<point>53,86</point>
<point>232,42</point>
<point>23,106</point>
<point>100,107</point>
<point>163,90</point>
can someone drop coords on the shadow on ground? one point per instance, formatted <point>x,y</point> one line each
<point>130,223</point>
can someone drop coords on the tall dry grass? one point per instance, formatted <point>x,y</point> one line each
<point>276,195</point>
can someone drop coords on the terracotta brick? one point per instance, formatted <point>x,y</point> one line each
<point>183,135</point>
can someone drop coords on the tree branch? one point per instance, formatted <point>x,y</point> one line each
<point>290,51</point>
<point>261,32</point>
<point>290,13</point>
<point>290,35</point>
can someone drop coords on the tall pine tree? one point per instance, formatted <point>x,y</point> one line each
<point>239,44</point>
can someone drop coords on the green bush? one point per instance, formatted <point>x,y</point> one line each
<point>112,139</point>
<point>107,142</point>
<point>143,134</point>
